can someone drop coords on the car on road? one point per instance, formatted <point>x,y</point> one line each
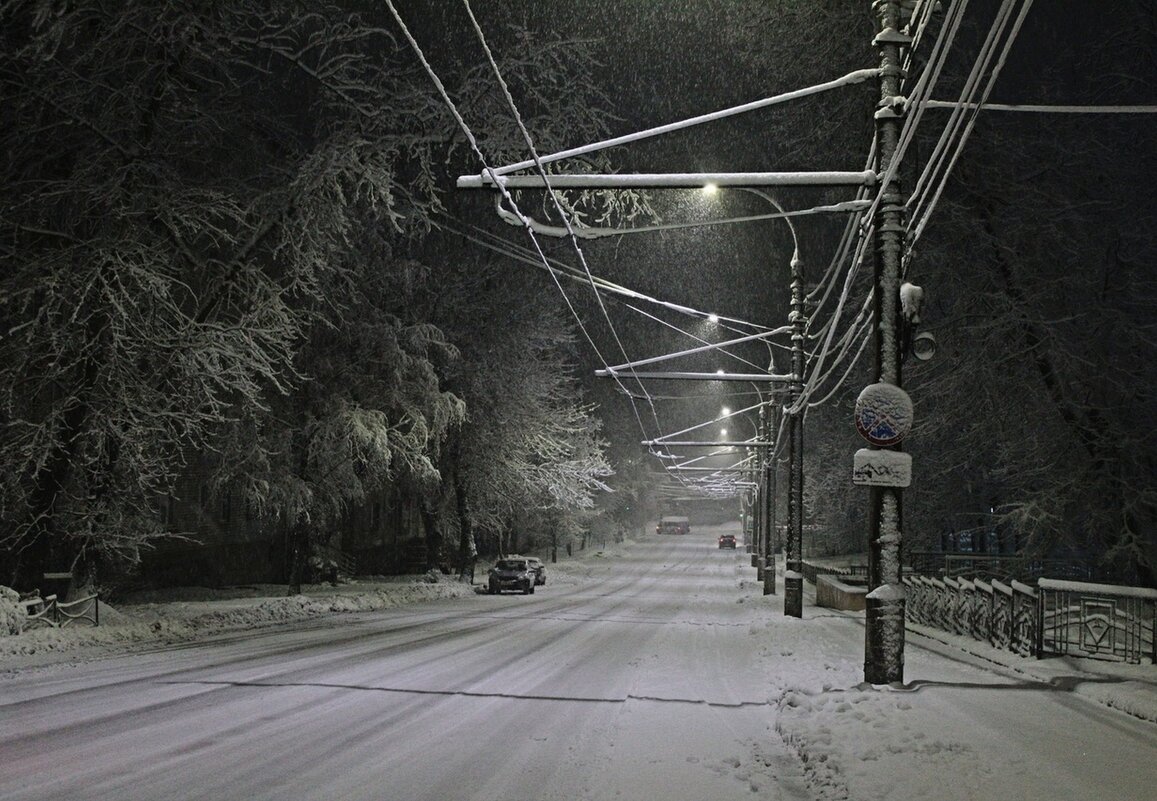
<point>726,540</point>
<point>673,524</point>
<point>536,567</point>
<point>511,574</point>
<point>539,569</point>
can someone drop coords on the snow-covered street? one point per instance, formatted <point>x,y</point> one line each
<point>657,672</point>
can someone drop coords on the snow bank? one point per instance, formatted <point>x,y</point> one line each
<point>187,613</point>
<point>179,621</point>
<point>11,613</point>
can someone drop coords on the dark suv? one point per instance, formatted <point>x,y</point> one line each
<point>726,540</point>
<point>511,574</point>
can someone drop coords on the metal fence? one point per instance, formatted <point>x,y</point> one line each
<point>1003,615</point>
<point>1056,617</point>
<point>1053,618</point>
<point>1097,620</point>
<point>48,611</point>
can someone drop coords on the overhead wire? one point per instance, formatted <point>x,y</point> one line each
<point>564,216</point>
<point>952,139</point>
<point>513,251</point>
<point>473,143</point>
<point>929,76</point>
<point>852,256</point>
<point>919,218</point>
<point>551,193</point>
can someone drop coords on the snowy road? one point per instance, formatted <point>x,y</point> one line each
<point>661,675</point>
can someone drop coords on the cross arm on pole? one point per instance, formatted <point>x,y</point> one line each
<point>782,379</point>
<point>686,180</point>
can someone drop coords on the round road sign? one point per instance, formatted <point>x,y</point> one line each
<point>883,414</point>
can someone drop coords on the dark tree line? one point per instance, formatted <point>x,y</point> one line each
<point>212,230</point>
<point>1035,416</point>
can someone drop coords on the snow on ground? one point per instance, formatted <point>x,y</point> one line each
<point>183,614</point>
<point>203,612</point>
<point>788,716</point>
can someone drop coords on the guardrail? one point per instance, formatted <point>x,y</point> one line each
<point>49,611</point>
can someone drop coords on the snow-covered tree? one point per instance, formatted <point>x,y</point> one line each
<point>529,445</point>
<point>196,200</point>
<point>1038,265</point>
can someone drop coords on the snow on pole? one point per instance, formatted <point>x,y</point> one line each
<point>886,416</point>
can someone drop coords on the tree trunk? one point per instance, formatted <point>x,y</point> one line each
<point>433,535</point>
<point>298,556</point>
<point>467,548</point>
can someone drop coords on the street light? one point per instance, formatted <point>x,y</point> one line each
<point>793,575</point>
<point>754,505</point>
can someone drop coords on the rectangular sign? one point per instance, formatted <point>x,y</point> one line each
<point>872,468</point>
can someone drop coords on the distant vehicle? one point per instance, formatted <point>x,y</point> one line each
<point>726,540</point>
<point>673,524</point>
<point>511,574</point>
<point>536,567</point>
<point>539,570</point>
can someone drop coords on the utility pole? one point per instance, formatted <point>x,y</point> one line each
<point>757,528</point>
<point>760,524</point>
<point>884,615</point>
<point>793,569</point>
<point>768,504</point>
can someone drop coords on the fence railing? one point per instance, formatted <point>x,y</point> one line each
<point>48,611</point>
<point>810,571</point>
<point>1003,615</point>
<point>1055,617</point>
<point>1098,620</point>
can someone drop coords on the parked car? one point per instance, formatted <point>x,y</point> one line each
<point>511,574</point>
<point>726,540</point>
<point>539,569</point>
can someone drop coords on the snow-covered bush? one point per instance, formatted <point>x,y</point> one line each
<point>11,613</point>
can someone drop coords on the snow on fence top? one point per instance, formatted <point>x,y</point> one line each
<point>1102,589</point>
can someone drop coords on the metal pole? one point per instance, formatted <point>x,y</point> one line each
<point>793,569</point>
<point>760,524</point>
<point>768,504</point>
<point>884,614</point>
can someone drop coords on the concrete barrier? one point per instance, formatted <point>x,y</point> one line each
<point>841,592</point>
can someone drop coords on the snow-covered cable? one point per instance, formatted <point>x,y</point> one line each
<point>1042,109</point>
<point>994,74</point>
<point>601,232</point>
<point>554,199</point>
<point>473,143</point>
<point>850,79</point>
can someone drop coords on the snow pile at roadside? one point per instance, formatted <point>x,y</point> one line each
<point>959,716</point>
<point>189,613</point>
<point>187,620</point>
<point>11,615</point>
